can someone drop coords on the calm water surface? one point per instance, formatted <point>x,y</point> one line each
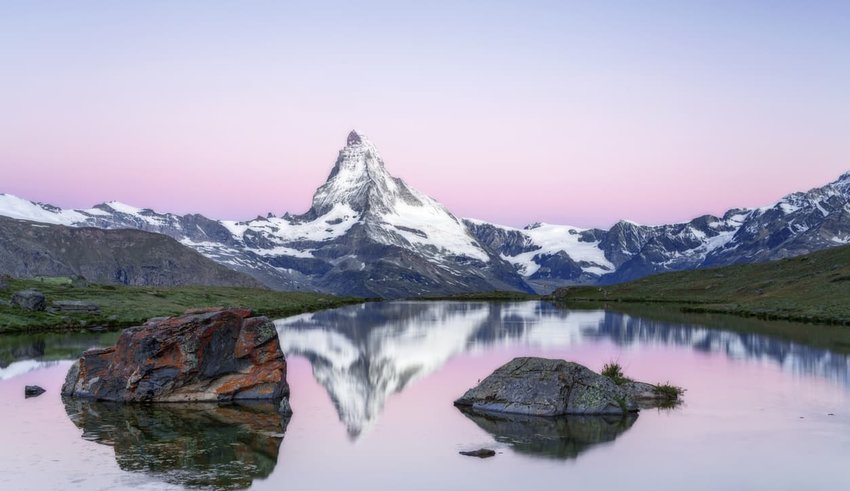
<point>372,390</point>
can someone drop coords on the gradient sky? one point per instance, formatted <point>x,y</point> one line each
<point>514,112</point>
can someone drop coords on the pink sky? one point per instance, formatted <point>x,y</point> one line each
<point>580,115</point>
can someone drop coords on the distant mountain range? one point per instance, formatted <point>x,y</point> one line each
<point>368,233</point>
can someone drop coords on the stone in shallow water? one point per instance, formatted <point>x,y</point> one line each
<point>544,387</point>
<point>33,391</point>
<point>481,453</point>
<point>205,355</point>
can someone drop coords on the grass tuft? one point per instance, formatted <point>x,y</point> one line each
<point>614,372</point>
<point>670,393</point>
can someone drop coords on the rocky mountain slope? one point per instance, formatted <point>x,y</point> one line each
<point>129,257</point>
<point>368,233</point>
<point>554,255</point>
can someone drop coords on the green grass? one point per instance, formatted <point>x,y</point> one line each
<point>669,392</point>
<point>614,371</point>
<point>122,306</point>
<point>811,288</point>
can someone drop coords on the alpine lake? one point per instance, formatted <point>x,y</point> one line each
<point>766,407</point>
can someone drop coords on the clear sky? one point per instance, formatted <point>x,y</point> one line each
<point>513,112</point>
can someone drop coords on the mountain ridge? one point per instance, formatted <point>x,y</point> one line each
<point>367,233</point>
<point>128,257</point>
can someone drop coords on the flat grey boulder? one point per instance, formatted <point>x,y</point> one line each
<point>29,300</point>
<point>544,387</point>
<point>75,306</point>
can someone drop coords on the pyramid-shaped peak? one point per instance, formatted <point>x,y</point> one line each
<point>354,138</point>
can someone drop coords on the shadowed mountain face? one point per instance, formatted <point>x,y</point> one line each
<point>558,438</point>
<point>193,445</point>
<point>128,257</point>
<point>363,354</point>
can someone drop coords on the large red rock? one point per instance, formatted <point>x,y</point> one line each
<point>203,355</point>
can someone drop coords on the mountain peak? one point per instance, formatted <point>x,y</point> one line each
<point>358,179</point>
<point>354,138</point>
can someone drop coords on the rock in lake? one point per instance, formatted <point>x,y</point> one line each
<point>29,300</point>
<point>651,396</point>
<point>481,453</point>
<point>543,387</point>
<point>32,391</point>
<point>203,355</point>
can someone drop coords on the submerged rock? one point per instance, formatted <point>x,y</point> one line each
<point>651,396</point>
<point>32,300</point>
<point>544,387</point>
<point>481,453</point>
<point>205,355</point>
<point>33,391</point>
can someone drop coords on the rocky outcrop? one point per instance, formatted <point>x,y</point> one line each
<point>32,300</point>
<point>203,355</point>
<point>544,387</point>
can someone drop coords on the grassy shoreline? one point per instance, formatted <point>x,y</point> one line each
<point>124,306</point>
<point>826,336</point>
<point>814,288</point>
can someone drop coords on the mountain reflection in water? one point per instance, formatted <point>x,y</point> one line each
<point>192,445</point>
<point>362,354</point>
<point>564,437</point>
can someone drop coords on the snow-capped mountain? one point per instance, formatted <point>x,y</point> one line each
<point>368,233</point>
<point>554,255</point>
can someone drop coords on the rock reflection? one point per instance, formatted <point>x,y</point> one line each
<point>192,445</point>
<point>564,437</point>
